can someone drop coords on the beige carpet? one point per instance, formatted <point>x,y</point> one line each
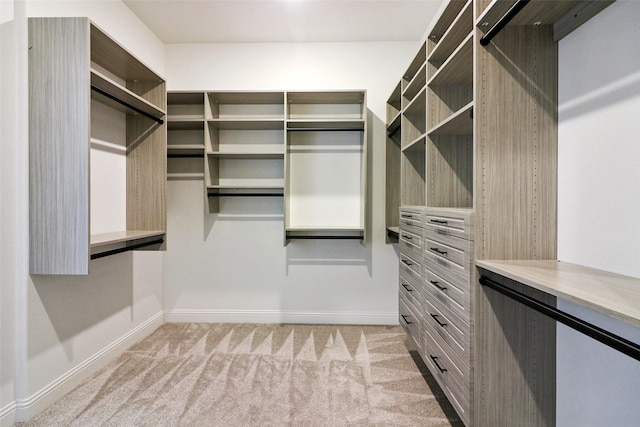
<point>193,374</point>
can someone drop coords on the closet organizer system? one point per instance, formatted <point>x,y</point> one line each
<point>471,167</point>
<point>307,147</point>
<point>79,76</point>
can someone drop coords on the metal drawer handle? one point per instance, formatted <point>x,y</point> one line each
<point>435,317</point>
<point>407,216</point>
<point>407,288</point>
<point>438,251</point>
<point>405,319</point>
<point>407,237</point>
<point>407,262</point>
<point>437,285</point>
<point>435,360</point>
<point>439,221</point>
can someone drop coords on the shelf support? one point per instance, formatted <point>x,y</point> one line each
<point>607,338</point>
<point>502,22</point>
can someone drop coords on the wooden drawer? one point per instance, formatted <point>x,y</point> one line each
<point>411,291</point>
<point>453,380</point>
<point>410,321</point>
<point>411,265</point>
<point>451,254</point>
<point>410,238</point>
<point>411,217</point>
<point>451,332</point>
<point>450,293</point>
<point>451,222</point>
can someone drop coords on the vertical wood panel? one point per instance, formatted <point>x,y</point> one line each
<point>59,103</point>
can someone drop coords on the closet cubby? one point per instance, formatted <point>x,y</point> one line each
<point>325,164</point>
<point>244,145</point>
<point>415,77</point>
<point>73,67</point>
<point>185,135</point>
<point>443,42</point>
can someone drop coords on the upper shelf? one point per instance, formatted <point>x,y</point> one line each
<point>325,125</point>
<point>117,96</point>
<point>449,41</point>
<point>111,243</point>
<point>565,16</point>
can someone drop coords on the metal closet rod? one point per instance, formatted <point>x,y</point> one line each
<point>126,104</point>
<point>502,22</point>
<point>607,338</point>
<point>130,247</point>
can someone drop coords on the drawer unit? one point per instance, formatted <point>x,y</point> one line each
<point>450,222</point>
<point>410,239</point>
<point>453,380</point>
<point>453,294</point>
<point>412,291</point>
<point>450,254</point>
<point>451,332</point>
<point>411,216</point>
<point>411,321</point>
<point>411,265</point>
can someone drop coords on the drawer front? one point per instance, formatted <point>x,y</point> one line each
<point>411,217</point>
<point>410,321</point>
<point>411,265</point>
<point>411,292</point>
<point>450,293</point>
<point>454,222</point>
<point>452,379</point>
<point>450,331</point>
<point>410,238</point>
<point>449,254</point>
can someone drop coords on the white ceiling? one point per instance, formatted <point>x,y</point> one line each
<point>258,21</point>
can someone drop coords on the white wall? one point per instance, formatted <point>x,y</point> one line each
<point>64,327</point>
<point>599,206</point>
<point>233,266</point>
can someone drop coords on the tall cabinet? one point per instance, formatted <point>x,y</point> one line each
<point>478,182</point>
<point>78,75</point>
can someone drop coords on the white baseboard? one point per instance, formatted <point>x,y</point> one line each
<point>7,415</point>
<point>27,408</point>
<point>278,316</point>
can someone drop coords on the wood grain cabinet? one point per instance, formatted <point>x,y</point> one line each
<point>80,78</point>
<point>477,160</point>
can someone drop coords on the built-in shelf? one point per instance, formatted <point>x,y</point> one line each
<point>453,37</point>
<point>179,176</point>
<point>416,84</point>
<point>247,154</point>
<point>460,123</point>
<point>185,150</point>
<point>458,68</point>
<point>121,241</point>
<point>608,293</point>
<point>325,125</point>
<point>246,124</point>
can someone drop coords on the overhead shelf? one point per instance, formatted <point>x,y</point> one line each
<point>121,241</point>
<point>460,123</point>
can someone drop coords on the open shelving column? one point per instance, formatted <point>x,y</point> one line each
<point>185,135</point>
<point>244,145</point>
<point>325,165</point>
<point>393,161</point>
<point>72,63</point>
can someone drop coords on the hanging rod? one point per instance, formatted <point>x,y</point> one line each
<point>326,237</point>
<point>502,22</point>
<point>127,248</point>
<point>126,104</point>
<point>607,338</point>
<point>245,195</point>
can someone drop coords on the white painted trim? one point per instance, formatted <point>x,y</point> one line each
<point>7,415</point>
<point>278,316</point>
<point>27,408</point>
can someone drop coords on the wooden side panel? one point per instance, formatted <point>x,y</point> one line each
<point>450,171</point>
<point>516,145</point>
<point>515,363</point>
<point>59,118</point>
<point>147,168</point>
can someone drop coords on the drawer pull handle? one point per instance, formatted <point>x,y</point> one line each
<point>407,288</point>
<point>438,221</point>
<point>437,285</point>
<point>438,251</point>
<point>405,319</point>
<point>435,317</point>
<point>407,216</point>
<point>435,360</point>
<point>407,262</point>
<point>407,237</point>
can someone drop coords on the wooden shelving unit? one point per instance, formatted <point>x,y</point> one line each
<point>64,78</point>
<point>478,167</point>
<point>185,135</point>
<point>325,165</point>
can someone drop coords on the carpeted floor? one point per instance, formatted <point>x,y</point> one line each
<point>193,374</point>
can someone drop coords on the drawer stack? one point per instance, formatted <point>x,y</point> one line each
<point>447,270</point>
<point>412,287</point>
